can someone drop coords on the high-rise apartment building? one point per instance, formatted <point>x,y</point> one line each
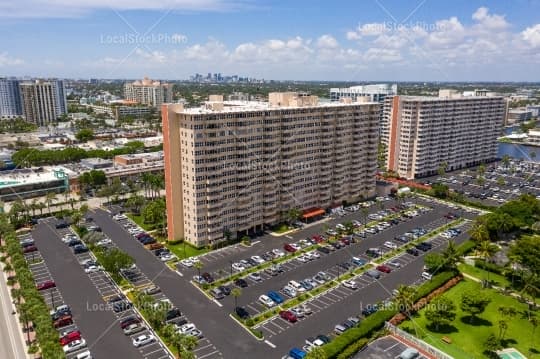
<point>43,101</point>
<point>238,166</point>
<point>148,92</point>
<point>375,92</point>
<point>10,98</point>
<point>425,133</point>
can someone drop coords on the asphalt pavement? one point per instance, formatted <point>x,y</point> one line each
<point>11,338</point>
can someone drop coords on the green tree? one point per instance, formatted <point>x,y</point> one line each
<point>154,211</point>
<point>526,252</point>
<point>182,343</point>
<point>451,255</point>
<point>84,135</point>
<point>292,215</point>
<point>440,312</point>
<point>198,265</point>
<point>474,303</point>
<point>49,199</point>
<point>505,160</point>
<point>440,190</point>
<point>135,203</point>
<point>442,168</point>
<point>479,232</point>
<point>434,262</point>
<point>113,260</point>
<point>492,343</point>
<point>503,327</point>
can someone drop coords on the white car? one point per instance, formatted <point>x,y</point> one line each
<point>256,276</point>
<point>394,264</point>
<point>163,303</point>
<point>186,328</point>
<point>351,284</point>
<point>238,267</point>
<point>143,340</point>
<point>74,346</point>
<point>303,258</point>
<point>278,253</point>
<point>265,300</point>
<point>92,269</point>
<point>258,259</point>
<point>188,263</point>
<point>340,227</point>
<point>167,257</point>
<point>290,291</point>
<point>68,237</point>
<point>390,245</point>
<point>195,333</point>
<point>296,246</point>
<point>313,255</point>
<point>84,355</point>
<point>104,242</point>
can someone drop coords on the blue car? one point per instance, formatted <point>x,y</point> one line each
<point>276,297</point>
<point>297,353</point>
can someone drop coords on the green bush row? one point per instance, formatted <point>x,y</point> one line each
<point>490,267</point>
<point>352,349</point>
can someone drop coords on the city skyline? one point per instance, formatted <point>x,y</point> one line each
<point>377,40</point>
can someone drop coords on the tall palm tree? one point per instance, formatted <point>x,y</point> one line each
<point>34,206</point>
<point>486,250</point>
<point>49,199</point>
<point>236,292</point>
<point>451,255</point>
<point>479,232</point>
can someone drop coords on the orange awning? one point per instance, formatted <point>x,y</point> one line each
<point>313,213</point>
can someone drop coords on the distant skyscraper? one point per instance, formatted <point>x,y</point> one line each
<point>148,92</point>
<point>43,101</point>
<point>10,98</point>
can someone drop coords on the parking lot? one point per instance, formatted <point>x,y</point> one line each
<point>88,295</point>
<point>501,183</point>
<point>384,348</point>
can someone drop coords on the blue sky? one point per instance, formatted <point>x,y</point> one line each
<point>419,40</point>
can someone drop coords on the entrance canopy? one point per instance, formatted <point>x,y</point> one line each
<point>313,212</point>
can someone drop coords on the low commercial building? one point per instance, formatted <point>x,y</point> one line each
<point>96,163</point>
<point>517,115</point>
<point>29,183</point>
<point>453,131</point>
<point>239,166</point>
<point>533,137</point>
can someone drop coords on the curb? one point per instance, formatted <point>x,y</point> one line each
<point>243,326</point>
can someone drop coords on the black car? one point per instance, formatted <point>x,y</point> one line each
<point>241,312</point>
<point>208,277</point>
<point>267,257</point>
<point>241,283</point>
<point>373,253</point>
<point>172,313</point>
<point>60,313</point>
<point>74,242</point>
<point>422,247</point>
<point>80,248</point>
<point>127,321</point>
<point>252,262</point>
<point>323,338</point>
<point>225,289</point>
<point>159,252</point>
<point>121,306</point>
<point>367,311</point>
<point>345,265</point>
<point>148,240</point>
<point>413,251</point>
<point>323,250</point>
<point>61,224</point>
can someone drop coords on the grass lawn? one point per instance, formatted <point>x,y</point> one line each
<point>479,273</point>
<point>190,251</point>
<point>282,228</point>
<point>467,339</point>
<point>139,220</point>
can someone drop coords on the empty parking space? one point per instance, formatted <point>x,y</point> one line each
<point>384,348</point>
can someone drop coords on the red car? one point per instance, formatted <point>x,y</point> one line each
<point>63,321</point>
<point>46,285</point>
<point>345,241</point>
<point>289,248</point>
<point>288,315</point>
<point>317,238</point>
<point>69,337</point>
<point>29,249</point>
<point>384,268</point>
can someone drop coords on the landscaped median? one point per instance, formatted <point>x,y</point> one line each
<point>270,313</point>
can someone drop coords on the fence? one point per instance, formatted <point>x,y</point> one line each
<point>436,353</point>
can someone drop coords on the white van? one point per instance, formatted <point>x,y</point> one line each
<point>297,286</point>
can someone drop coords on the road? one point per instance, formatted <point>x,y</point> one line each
<point>11,338</point>
<point>214,322</point>
<point>97,324</point>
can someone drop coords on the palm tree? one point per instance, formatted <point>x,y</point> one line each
<point>479,232</point>
<point>198,265</point>
<point>236,292</point>
<point>404,298</point>
<point>442,168</point>
<point>183,343</point>
<point>451,255</point>
<point>505,160</point>
<point>49,198</point>
<point>41,206</point>
<point>534,322</point>
<point>34,206</point>
<point>486,250</point>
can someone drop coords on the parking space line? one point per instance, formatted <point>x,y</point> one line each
<point>207,355</point>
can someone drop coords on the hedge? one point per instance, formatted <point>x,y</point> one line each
<point>376,321</point>
<point>490,267</point>
<point>465,247</point>
<point>353,349</point>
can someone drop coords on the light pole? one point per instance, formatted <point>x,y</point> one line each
<point>231,262</point>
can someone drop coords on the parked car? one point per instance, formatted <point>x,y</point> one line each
<point>29,249</point>
<point>70,337</point>
<point>74,345</point>
<point>289,248</point>
<point>143,339</point>
<point>46,285</point>
<point>413,251</point>
<point>290,291</point>
<point>63,321</point>
<point>351,284</point>
<point>242,283</point>
<point>266,301</point>
<point>383,268</point>
<point>217,293</point>
<point>288,316</point>
<point>80,248</point>
<point>275,296</point>
<point>133,328</point>
<point>242,312</point>
<point>127,321</point>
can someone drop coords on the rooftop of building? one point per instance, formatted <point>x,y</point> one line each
<point>33,176</point>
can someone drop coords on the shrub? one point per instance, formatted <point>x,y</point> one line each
<point>465,247</point>
<point>490,267</point>
<point>352,349</point>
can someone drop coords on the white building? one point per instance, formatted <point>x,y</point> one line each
<point>422,133</point>
<point>375,92</point>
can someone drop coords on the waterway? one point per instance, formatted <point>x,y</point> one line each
<point>518,151</point>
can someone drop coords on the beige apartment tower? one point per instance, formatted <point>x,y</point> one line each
<point>238,166</point>
<point>43,101</point>
<point>422,134</point>
<point>148,92</point>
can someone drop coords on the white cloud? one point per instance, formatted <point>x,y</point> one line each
<point>531,35</point>
<point>492,22</point>
<point>77,8</point>
<point>152,56</point>
<point>6,60</point>
<point>327,42</point>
